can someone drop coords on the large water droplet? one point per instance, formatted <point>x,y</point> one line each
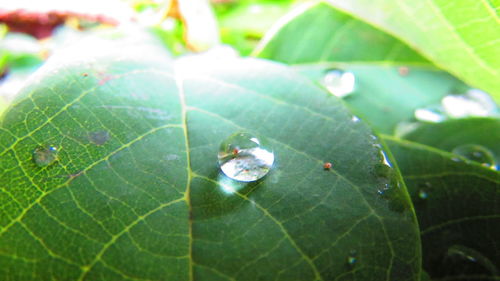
<point>45,155</point>
<point>472,103</point>
<point>432,114</point>
<point>244,157</point>
<point>340,83</point>
<point>476,153</point>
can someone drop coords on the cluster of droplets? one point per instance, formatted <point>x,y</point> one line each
<point>472,103</point>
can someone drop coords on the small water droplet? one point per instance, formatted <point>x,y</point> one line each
<point>432,114</point>
<point>355,119</point>
<point>352,258</point>
<point>340,83</point>
<point>477,153</point>
<point>473,103</point>
<point>422,194</point>
<point>99,137</point>
<point>244,157</point>
<point>45,155</point>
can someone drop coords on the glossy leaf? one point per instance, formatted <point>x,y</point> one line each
<point>457,210</point>
<point>387,95</point>
<point>317,32</point>
<point>459,36</point>
<point>135,192</point>
<point>454,133</point>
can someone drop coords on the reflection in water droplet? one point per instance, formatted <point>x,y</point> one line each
<point>476,153</point>
<point>472,103</point>
<point>355,119</point>
<point>432,114</point>
<point>340,83</point>
<point>244,157</point>
<point>44,156</point>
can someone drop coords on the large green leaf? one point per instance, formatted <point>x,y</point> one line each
<point>457,209</point>
<point>383,96</point>
<point>459,36</point>
<point>135,192</point>
<point>317,32</point>
<point>455,133</point>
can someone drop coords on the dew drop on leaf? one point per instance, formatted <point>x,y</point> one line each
<point>339,83</point>
<point>99,137</point>
<point>45,155</point>
<point>473,103</point>
<point>244,157</point>
<point>433,114</point>
<point>476,153</point>
<point>422,194</point>
<point>352,258</point>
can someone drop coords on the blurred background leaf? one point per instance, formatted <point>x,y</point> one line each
<point>462,37</point>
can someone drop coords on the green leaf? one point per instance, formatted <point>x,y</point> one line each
<point>459,36</point>
<point>457,210</point>
<point>454,133</point>
<point>134,192</point>
<point>239,27</point>
<point>317,32</point>
<point>384,96</point>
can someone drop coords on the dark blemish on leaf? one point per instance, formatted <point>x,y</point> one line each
<point>327,166</point>
<point>85,74</point>
<point>404,70</point>
<point>99,137</point>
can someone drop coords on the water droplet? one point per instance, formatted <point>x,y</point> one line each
<point>45,155</point>
<point>476,153</point>
<point>432,114</point>
<point>355,119</point>
<point>473,103</point>
<point>244,157</point>
<point>339,83</point>
<point>352,258</point>
<point>99,137</point>
<point>404,128</point>
<point>460,254</point>
<point>422,194</point>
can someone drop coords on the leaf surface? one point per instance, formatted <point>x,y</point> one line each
<point>454,133</point>
<point>457,210</point>
<point>136,194</point>
<point>383,96</point>
<point>317,32</point>
<point>462,37</point>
